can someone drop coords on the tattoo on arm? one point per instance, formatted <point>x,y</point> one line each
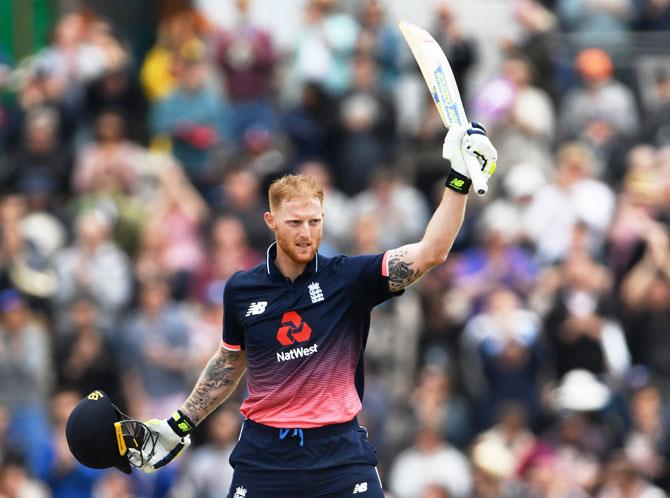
<point>217,381</point>
<point>401,270</point>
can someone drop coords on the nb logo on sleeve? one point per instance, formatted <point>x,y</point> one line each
<point>256,308</point>
<point>455,182</point>
<point>361,487</point>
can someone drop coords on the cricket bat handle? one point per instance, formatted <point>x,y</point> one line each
<point>478,181</point>
<point>474,165</point>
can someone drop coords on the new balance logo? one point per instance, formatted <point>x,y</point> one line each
<point>256,308</point>
<point>457,183</point>
<point>315,292</point>
<point>361,487</point>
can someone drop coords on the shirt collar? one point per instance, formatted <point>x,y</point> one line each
<point>270,266</point>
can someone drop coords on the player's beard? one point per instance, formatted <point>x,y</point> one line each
<point>299,255</point>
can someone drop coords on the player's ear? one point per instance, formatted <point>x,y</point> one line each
<point>269,220</point>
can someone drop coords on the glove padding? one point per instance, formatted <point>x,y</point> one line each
<point>168,447</point>
<point>471,154</point>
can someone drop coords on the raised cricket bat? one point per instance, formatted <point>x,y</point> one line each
<point>441,83</point>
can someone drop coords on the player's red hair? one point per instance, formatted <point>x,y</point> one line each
<point>291,186</point>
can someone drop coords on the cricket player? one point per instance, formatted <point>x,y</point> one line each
<point>298,324</point>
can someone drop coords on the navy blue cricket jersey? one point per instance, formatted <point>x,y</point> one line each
<point>304,340</point>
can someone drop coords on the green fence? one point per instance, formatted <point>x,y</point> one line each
<point>25,25</point>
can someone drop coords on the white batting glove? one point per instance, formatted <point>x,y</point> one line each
<point>473,158</point>
<point>171,441</point>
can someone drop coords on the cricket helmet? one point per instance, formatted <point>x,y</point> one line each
<point>100,436</point>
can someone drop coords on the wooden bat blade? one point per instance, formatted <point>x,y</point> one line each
<point>436,72</point>
<point>441,83</point>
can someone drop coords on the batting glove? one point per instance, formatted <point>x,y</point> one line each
<point>172,438</point>
<point>473,158</point>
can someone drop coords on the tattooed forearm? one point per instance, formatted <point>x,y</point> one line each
<point>217,381</point>
<point>402,271</point>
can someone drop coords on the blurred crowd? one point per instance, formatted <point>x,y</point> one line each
<point>534,363</point>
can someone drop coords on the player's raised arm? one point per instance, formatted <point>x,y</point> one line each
<point>467,149</point>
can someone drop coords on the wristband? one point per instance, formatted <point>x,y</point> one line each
<point>181,424</point>
<point>457,182</point>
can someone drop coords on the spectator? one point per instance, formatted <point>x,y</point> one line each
<point>512,211</point>
<point>401,205</point>
<point>581,326</point>
<point>583,430</point>
<point>15,481</point>
<point>41,165</point>
<point>208,474</point>
<point>155,343</point>
<point>526,131</point>
<point>26,367</point>
<point>496,261</point>
<point>193,116</point>
<point>119,89</point>
<point>93,265</point>
<point>656,121</point>
<point>86,355</point>
<point>511,437</point>
<point>322,48</point>
<point>653,15</point>
<point>460,49</point>
<point>647,445</point>
<point>601,103</point>
<point>645,292</point>
<point>114,485</point>
<point>424,463</point>
<point>623,480</point>
<point>493,471</point>
<point>23,261</point>
<point>597,24</point>
<point>538,43</point>
<point>240,196</point>
<point>543,476</point>
<point>367,122</point>
<point>247,57</point>
<point>171,245</point>
<point>310,125</point>
<point>380,41</point>
<point>435,396</point>
<point>112,162</point>
<point>162,65</point>
<point>228,253</point>
<point>574,197</point>
<point>502,356</point>
<point>72,60</point>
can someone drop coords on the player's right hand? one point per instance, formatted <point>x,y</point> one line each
<point>172,438</point>
<point>451,149</point>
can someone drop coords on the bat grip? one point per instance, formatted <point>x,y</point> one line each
<point>478,181</point>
